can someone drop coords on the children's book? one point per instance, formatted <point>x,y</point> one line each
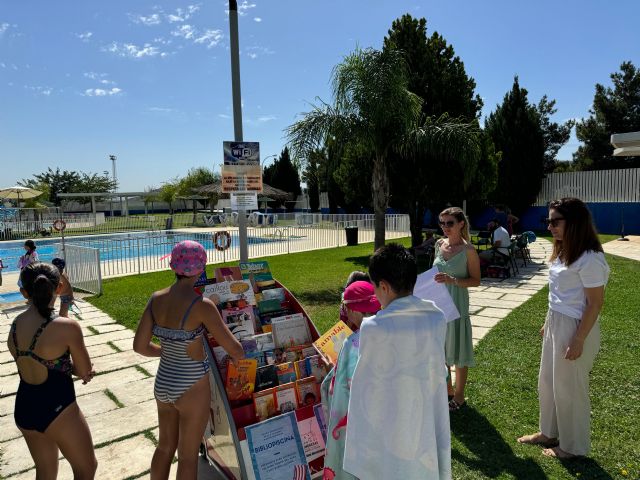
<point>258,357</point>
<point>301,368</point>
<point>276,293</point>
<point>319,412</point>
<point>241,378</point>
<point>290,330</point>
<point>286,400</point>
<point>236,293</point>
<point>240,321</point>
<point>308,391</point>
<point>266,377</point>
<point>226,274</point>
<point>269,305</point>
<point>315,367</point>
<point>258,273</point>
<point>249,345</point>
<point>286,373</point>
<point>264,342</point>
<point>330,344</point>
<point>312,439</point>
<point>265,318</point>
<point>265,403</point>
<point>270,357</point>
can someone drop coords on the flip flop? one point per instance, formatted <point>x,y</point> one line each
<point>455,406</point>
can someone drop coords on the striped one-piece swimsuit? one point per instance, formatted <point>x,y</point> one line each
<point>177,371</point>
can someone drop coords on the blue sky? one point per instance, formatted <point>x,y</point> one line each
<point>149,81</point>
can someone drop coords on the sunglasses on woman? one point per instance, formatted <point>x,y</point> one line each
<point>553,221</point>
<point>448,223</point>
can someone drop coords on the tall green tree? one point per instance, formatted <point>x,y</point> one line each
<point>69,182</point>
<point>372,106</point>
<point>554,134</point>
<point>194,179</point>
<point>311,176</point>
<point>283,174</point>
<point>516,131</point>
<point>169,193</point>
<point>614,110</point>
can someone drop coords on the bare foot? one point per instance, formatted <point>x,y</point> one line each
<point>538,439</point>
<point>557,452</point>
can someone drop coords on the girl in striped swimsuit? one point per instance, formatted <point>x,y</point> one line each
<point>179,318</point>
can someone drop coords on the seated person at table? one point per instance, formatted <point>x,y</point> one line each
<point>427,246</point>
<point>398,423</point>
<point>500,242</point>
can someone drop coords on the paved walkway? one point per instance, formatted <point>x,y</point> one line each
<point>629,249</point>
<point>119,403</point>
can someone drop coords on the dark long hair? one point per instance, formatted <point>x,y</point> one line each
<point>40,280</point>
<point>579,232</point>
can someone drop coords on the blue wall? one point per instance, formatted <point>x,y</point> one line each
<point>606,216</point>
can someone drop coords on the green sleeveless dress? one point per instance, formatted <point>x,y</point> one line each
<point>458,347</point>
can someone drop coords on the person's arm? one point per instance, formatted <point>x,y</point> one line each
<point>215,326</point>
<point>142,343</point>
<point>595,300</point>
<point>473,280</point>
<point>82,366</point>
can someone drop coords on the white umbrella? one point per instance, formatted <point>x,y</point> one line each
<point>19,193</point>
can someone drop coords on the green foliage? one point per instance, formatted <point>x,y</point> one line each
<point>54,182</point>
<point>437,75</point>
<point>283,174</point>
<point>196,178</point>
<point>555,134</point>
<point>169,193</point>
<point>311,176</point>
<point>615,110</point>
<point>516,131</point>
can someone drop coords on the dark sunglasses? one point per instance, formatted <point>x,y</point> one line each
<point>553,221</point>
<point>448,223</point>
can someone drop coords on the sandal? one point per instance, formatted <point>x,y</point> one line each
<point>455,406</point>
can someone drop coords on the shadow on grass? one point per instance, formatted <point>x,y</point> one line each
<point>586,469</point>
<point>491,455</point>
<point>362,262</point>
<point>329,296</point>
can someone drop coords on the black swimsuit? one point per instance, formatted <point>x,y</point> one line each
<point>39,405</point>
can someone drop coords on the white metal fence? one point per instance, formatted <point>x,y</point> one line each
<point>621,185</point>
<point>83,268</point>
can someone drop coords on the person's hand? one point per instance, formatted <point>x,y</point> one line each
<point>442,277</point>
<point>574,350</point>
<point>87,377</point>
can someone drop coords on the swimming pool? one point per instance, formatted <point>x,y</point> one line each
<point>121,246</point>
<point>11,297</point>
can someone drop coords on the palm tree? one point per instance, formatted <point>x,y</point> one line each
<point>373,107</point>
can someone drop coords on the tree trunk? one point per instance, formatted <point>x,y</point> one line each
<point>380,190</point>
<point>415,219</point>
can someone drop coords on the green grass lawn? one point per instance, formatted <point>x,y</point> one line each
<point>502,389</point>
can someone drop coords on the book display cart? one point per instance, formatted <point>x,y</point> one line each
<point>266,420</point>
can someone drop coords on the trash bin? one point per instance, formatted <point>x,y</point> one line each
<point>168,224</point>
<point>352,236</point>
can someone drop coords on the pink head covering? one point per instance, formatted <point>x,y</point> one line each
<point>188,258</point>
<point>360,297</point>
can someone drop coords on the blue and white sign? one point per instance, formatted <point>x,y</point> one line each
<point>241,153</point>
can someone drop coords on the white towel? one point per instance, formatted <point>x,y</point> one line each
<point>398,423</point>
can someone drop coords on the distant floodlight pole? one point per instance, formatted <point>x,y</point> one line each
<point>237,112</point>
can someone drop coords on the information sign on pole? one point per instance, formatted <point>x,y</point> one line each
<point>241,153</point>
<point>241,178</point>
<point>244,201</point>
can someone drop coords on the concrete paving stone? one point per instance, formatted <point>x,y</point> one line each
<point>482,321</point>
<point>119,360</point>
<point>95,321</point>
<point>487,302</point>
<point>95,403</point>
<point>491,295</point>
<point>8,429</point>
<point>109,327</point>
<point>9,384</point>
<point>124,345</point>
<point>6,357</point>
<point>108,337</point>
<point>8,368</point>
<point>15,457</point>
<point>100,350</point>
<point>6,405</point>
<point>134,392</point>
<point>480,332</point>
<point>475,309</point>
<point>109,380</point>
<point>495,312</point>
<point>480,288</point>
<point>516,297</point>
<point>123,421</point>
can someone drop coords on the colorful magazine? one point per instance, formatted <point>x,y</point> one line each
<point>286,373</point>
<point>241,321</point>
<point>330,344</point>
<point>290,330</point>
<point>226,274</point>
<point>266,377</point>
<point>258,273</point>
<point>237,293</point>
<point>307,391</point>
<point>313,440</point>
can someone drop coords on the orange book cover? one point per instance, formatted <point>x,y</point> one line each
<point>330,344</point>
<point>241,379</point>
<point>307,391</point>
<point>265,403</point>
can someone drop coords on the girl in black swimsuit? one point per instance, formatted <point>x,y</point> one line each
<point>48,351</point>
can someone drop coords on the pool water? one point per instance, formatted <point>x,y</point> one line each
<point>11,297</point>
<point>118,246</point>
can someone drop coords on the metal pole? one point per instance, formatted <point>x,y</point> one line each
<point>237,112</point>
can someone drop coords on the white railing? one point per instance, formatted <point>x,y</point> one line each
<point>83,268</point>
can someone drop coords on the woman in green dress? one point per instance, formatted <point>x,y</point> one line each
<point>459,269</point>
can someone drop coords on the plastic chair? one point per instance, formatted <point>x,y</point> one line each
<point>483,238</point>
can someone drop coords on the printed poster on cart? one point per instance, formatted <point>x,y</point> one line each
<point>276,449</point>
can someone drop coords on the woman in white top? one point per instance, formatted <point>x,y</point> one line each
<point>571,333</point>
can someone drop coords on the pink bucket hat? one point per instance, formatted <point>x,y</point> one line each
<point>360,297</point>
<point>188,258</point>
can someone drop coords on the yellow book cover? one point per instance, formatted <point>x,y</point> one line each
<point>330,344</point>
<point>241,379</point>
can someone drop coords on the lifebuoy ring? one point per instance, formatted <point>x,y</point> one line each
<point>222,240</point>
<point>59,225</point>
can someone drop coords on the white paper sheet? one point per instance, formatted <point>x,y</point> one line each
<point>428,289</point>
